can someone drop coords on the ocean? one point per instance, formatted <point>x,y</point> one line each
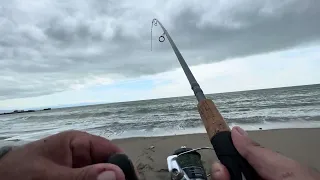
<point>289,107</point>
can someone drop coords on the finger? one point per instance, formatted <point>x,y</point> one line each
<point>219,172</point>
<point>96,172</point>
<point>74,148</point>
<point>268,164</point>
<point>89,149</point>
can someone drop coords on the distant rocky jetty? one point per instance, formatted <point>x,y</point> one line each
<point>24,111</point>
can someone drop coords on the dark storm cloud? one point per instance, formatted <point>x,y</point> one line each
<point>50,46</point>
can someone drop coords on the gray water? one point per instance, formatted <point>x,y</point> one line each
<point>291,107</point>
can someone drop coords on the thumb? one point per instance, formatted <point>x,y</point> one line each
<point>98,172</point>
<point>267,163</point>
<point>219,172</point>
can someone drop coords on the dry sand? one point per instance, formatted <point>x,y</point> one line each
<point>302,145</point>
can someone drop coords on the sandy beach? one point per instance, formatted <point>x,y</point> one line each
<point>300,144</point>
<point>149,153</point>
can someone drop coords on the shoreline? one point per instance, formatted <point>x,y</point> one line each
<point>185,132</point>
<point>198,134</point>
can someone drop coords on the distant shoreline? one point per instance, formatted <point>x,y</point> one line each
<point>24,111</point>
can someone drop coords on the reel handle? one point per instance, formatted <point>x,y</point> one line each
<point>220,136</point>
<point>125,165</point>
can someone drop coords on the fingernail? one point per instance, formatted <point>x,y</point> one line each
<point>107,175</point>
<point>217,171</point>
<point>241,131</point>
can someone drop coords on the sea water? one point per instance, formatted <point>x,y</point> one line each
<point>290,107</point>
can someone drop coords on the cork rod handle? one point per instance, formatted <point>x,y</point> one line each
<point>220,137</point>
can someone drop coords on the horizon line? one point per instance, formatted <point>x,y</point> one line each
<point>115,102</point>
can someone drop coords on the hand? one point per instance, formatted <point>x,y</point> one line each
<point>268,164</point>
<point>69,155</point>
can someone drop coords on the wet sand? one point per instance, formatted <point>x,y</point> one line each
<point>149,154</point>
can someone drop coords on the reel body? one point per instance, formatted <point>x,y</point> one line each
<point>186,164</point>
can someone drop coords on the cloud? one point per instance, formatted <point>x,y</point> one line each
<point>52,46</point>
<point>294,67</point>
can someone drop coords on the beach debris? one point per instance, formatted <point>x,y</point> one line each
<point>150,158</point>
<point>151,148</point>
<point>162,170</point>
<point>143,167</point>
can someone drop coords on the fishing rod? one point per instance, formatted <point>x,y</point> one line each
<point>216,127</point>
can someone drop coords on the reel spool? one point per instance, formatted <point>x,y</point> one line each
<point>185,164</point>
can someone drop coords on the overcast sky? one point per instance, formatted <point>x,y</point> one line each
<point>56,52</point>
